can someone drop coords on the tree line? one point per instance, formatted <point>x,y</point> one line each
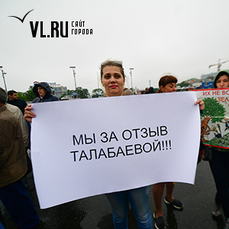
<point>82,93</point>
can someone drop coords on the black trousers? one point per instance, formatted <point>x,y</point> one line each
<point>220,170</point>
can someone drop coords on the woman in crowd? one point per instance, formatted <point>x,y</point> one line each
<point>113,79</point>
<point>220,163</point>
<point>167,83</point>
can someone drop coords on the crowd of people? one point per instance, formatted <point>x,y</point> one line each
<point>14,159</point>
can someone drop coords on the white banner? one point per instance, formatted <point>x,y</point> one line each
<point>82,148</point>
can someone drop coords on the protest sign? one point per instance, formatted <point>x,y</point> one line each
<point>82,148</point>
<point>215,117</point>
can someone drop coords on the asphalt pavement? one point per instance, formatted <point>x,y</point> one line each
<point>95,212</point>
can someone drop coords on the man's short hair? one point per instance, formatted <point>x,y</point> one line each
<point>11,92</point>
<point>3,96</point>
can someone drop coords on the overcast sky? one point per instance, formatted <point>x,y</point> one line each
<point>154,37</point>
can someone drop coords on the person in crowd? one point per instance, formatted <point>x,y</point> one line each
<point>42,91</point>
<point>127,91</point>
<point>151,90</point>
<point>13,166</point>
<point>14,100</point>
<point>167,83</point>
<point>220,163</point>
<point>113,79</point>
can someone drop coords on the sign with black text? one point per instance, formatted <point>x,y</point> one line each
<point>87,147</point>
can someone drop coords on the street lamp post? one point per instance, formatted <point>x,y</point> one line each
<point>74,74</point>
<point>131,69</point>
<point>3,76</point>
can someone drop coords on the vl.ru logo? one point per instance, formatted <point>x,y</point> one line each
<point>56,29</point>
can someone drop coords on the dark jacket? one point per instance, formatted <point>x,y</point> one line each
<point>20,103</point>
<point>47,98</point>
<point>151,90</point>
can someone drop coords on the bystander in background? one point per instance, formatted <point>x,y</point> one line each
<point>13,166</point>
<point>42,91</point>
<point>14,100</point>
<point>127,91</point>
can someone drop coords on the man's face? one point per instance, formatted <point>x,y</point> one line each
<point>13,97</point>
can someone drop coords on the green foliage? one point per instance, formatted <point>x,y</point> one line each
<point>69,92</point>
<point>21,95</point>
<point>28,95</point>
<point>98,92</point>
<point>183,84</point>
<point>213,109</point>
<point>82,92</point>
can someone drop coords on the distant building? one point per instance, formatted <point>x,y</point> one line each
<point>205,82</point>
<point>191,81</point>
<point>209,75</point>
<point>197,83</point>
<point>59,90</point>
